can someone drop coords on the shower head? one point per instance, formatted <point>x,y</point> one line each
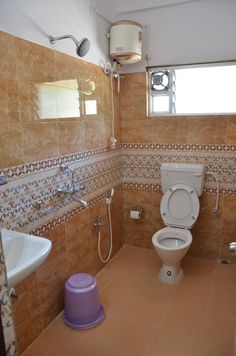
<point>82,46</point>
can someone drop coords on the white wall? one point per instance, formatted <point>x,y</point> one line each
<point>35,20</point>
<point>192,32</point>
<point>185,33</point>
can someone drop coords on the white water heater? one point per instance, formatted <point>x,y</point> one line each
<point>126,41</point>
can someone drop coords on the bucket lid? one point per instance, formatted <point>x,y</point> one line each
<point>81,281</point>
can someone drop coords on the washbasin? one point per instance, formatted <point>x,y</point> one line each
<point>23,253</point>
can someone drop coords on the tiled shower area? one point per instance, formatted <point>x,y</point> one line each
<point>143,316</point>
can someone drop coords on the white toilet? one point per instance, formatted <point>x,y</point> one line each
<point>182,184</point>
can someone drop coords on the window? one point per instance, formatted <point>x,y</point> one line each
<point>192,89</point>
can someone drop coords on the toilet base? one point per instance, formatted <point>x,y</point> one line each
<point>171,274</point>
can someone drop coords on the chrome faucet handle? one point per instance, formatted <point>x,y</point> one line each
<point>232,248</point>
<point>65,189</point>
<point>79,187</point>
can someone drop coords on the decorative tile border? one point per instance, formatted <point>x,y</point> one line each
<point>98,169</point>
<point>33,167</point>
<point>181,147</point>
<point>19,196</point>
<point>6,309</point>
<point>141,164</point>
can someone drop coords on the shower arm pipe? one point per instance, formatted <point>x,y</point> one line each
<point>216,208</point>
<point>54,39</point>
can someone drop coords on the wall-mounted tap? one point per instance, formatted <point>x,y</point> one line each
<point>72,188</point>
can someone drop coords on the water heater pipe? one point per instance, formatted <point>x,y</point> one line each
<point>216,208</point>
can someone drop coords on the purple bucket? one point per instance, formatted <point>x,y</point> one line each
<point>82,307</point>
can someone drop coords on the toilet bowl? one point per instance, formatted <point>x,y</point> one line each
<point>179,210</point>
<point>171,245</point>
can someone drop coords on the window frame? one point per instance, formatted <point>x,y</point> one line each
<point>150,69</point>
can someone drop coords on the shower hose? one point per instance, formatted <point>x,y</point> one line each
<point>110,236</point>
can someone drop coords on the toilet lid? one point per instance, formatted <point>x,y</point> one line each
<point>180,206</point>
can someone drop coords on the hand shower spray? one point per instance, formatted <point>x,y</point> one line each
<point>99,225</point>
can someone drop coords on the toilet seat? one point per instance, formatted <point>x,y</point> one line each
<point>180,206</point>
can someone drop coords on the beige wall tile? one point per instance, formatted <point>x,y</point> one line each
<point>11,148</point>
<point>33,62</point>
<point>8,56</point>
<point>71,136</point>
<point>185,129</point>
<point>40,140</point>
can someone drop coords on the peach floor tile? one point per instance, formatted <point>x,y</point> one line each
<point>148,318</point>
<point>185,322</point>
<point>191,298</point>
<point>170,344</point>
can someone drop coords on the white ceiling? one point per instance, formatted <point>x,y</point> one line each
<point>114,10</point>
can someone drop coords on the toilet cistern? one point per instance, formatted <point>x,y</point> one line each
<point>182,184</point>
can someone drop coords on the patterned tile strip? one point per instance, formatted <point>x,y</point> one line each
<point>181,147</point>
<point>6,309</point>
<point>19,197</point>
<point>39,166</point>
<point>141,165</point>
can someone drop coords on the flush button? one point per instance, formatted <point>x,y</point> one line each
<point>169,273</point>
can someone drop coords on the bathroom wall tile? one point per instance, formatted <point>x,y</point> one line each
<point>8,56</point>
<point>28,101</point>
<point>133,97</point>
<point>206,231</point>
<point>57,237</point>
<point>206,129</point>
<point>228,226</point>
<point>11,150</point>
<point>28,330</point>
<point>189,129</point>
<point>79,238</point>
<point>96,133</point>
<point>231,129</point>
<point>67,67</point>
<point>52,276</point>
<point>28,299</point>
<point>9,101</point>
<point>34,62</point>
<point>140,231</point>
<point>40,140</point>
<point>117,221</point>
<point>71,136</point>
<point>52,306</point>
